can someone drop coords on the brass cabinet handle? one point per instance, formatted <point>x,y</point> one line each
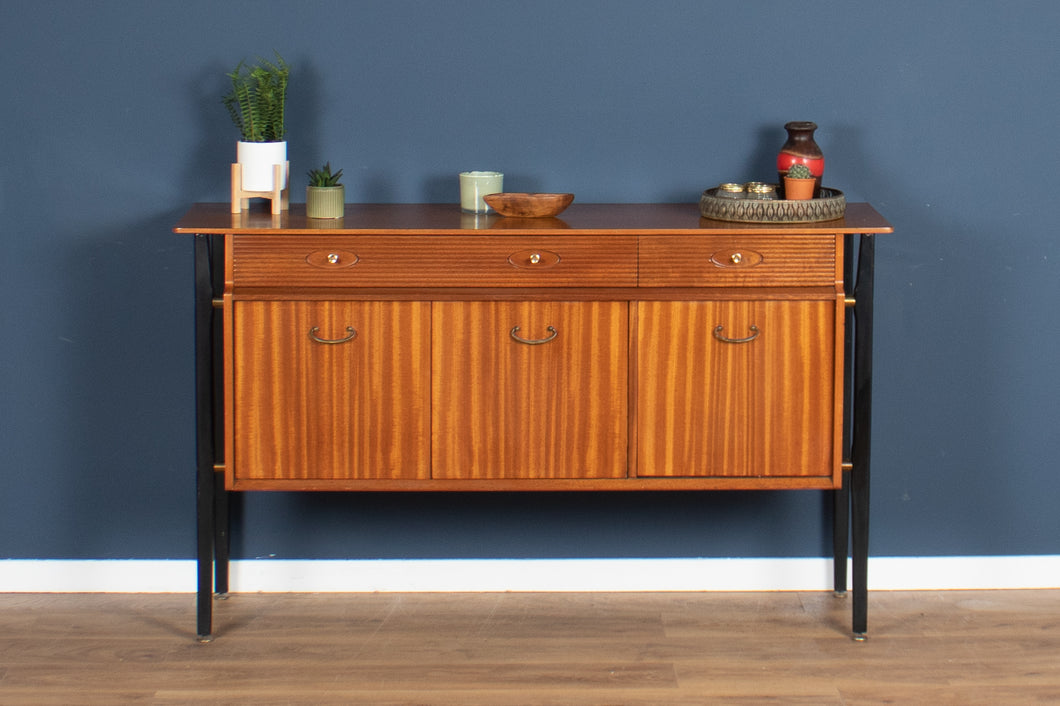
<point>332,341</point>
<point>533,342</point>
<point>725,339</point>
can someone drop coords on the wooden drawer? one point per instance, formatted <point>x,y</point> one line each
<point>433,261</point>
<point>738,261</point>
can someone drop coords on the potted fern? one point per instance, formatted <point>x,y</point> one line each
<point>799,183</point>
<point>256,104</point>
<point>325,197</point>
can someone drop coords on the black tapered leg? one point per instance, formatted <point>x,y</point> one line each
<point>840,534</point>
<point>841,496</point>
<point>221,535</point>
<point>221,495</point>
<point>862,432</point>
<point>204,435</point>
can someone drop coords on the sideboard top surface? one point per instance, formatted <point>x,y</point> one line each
<point>447,219</point>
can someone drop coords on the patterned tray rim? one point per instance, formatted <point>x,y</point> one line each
<point>829,207</point>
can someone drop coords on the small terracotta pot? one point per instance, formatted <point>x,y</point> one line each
<point>798,189</point>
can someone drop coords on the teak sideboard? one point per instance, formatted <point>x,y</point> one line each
<point>412,347</point>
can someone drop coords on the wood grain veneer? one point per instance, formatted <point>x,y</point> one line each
<point>505,409</point>
<point>433,394</point>
<point>303,410</point>
<point>736,261</point>
<point>434,261</point>
<point>444,219</point>
<point>711,408</point>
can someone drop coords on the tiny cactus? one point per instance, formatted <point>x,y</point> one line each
<point>799,171</point>
<point>323,176</point>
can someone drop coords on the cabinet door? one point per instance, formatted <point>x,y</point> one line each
<point>737,388</point>
<point>327,390</point>
<point>529,389</point>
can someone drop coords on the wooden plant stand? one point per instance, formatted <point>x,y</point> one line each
<point>280,197</point>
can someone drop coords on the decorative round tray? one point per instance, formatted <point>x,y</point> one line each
<point>831,205</point>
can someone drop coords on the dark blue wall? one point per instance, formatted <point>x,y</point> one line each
<point>942,114</point>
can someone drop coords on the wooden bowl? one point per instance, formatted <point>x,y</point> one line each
<point>523,205</point>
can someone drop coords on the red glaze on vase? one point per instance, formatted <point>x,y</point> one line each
<point>801,149</point>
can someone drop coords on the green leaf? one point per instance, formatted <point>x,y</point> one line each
<point>258,98</point>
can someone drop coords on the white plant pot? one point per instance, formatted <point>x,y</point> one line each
<point>257,160</point>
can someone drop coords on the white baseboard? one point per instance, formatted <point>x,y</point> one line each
<point>483,575</point>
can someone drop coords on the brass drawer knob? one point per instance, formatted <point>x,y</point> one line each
<point>743,259</point>
<point>537,259</point>
<point>331,259</point>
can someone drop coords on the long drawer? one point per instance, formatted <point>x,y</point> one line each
<point>433,261</point>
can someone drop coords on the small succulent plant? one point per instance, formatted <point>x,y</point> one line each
<point>799,171</point>
<point>323,176</point>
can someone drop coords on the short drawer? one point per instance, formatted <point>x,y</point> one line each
<point>738,261</point>
<point>433,261</point>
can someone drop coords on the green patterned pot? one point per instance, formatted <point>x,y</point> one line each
<point>325,201</point>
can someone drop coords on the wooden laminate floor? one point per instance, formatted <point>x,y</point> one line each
<point>939,647</point>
